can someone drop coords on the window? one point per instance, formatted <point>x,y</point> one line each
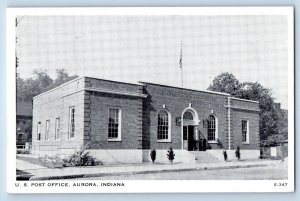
<point>71,122</point>
<point>188,116</point>
<point>47,129</point>
<point>114,124</point>
<point>245,131</point>
<point>163,126</point>
<point>211,128</point>
<point>57,128</point>
<point>38,131</point>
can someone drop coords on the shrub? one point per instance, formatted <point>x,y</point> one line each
<point>23,151</point>
<point>225,155</point>
<point>171,155</point>
<point>238,153</point>
<point>51,161</point>
<point>153,155</point>
<point>81,157</point>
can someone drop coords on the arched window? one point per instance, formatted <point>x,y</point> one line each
<point>211,128</point>
<point>188,116</point>
<point>163,126</point>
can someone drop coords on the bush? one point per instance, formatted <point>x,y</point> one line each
<point>153,155</point>
<point>238,153</point>
<point>225,155</point>
<point>81,157</point>
<point>51,161</point>
<point>23,151</point>
<point>171,155</point>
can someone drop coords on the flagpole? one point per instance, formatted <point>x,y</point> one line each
<point>180,65</point>
<point>181,78</point>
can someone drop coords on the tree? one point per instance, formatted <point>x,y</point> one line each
<point>171,155</point>
<point>225,82</point>
<point>20,88</point>
<point>43,80</point>
<point>268,117</point>
<point>238,153</point>
<point>28,88</point>
<point>39,83</point>
<point>225,155</point>
<point>62,77</point>
<point>268,114</point>
<point>282,123</point>
<point>153,155</point>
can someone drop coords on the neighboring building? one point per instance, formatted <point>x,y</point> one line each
<point>282,124</point>
<point>122,122</point>
<point>283,112</point>
<point>24,122</point>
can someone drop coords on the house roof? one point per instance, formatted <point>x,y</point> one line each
<point>24,109</point>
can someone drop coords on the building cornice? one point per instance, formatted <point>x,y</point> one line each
<point>91,89</point>
<point>123,93</point>
<point>241,108</point>
<point>184,88</point>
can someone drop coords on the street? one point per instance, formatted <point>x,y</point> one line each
<point>255,173</point>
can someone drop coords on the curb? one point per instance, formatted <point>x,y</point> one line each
<point>40,178</point>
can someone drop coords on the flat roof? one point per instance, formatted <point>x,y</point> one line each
<point>141,83</point>
<point>116,81</point>
<point>184,88</point>
<point>246,100</point>
<point>78,78</point>
<point>82,77</point>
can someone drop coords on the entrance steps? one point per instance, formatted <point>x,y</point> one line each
<point>205,157</point>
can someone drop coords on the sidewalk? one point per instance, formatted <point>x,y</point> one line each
<point>43,173</point>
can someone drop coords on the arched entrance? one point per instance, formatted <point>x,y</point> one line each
<point>189,129</point>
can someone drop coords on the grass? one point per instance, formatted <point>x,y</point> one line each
<point>32,160</point>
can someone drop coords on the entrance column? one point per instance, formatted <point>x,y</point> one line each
<point>196,138</point>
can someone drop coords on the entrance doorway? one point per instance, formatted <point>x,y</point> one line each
<point>188,138</point>
<point>190,133</point>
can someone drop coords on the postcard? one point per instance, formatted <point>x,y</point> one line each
<point>150,99</point>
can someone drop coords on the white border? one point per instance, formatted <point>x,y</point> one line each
<point>149,186</point>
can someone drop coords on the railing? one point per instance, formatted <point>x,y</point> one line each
<point>24,147</point>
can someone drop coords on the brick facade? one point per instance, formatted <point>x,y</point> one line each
<point>96,115</point>
<point>139,105</point>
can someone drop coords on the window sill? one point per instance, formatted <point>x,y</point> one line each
<point>114,140</point>
<point>164,141</point>
<point>245,142</point>
<point>212,142</point>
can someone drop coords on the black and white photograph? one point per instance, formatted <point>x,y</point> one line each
<point>151,99</point>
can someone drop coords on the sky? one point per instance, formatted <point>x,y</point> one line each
<point>147,48</point>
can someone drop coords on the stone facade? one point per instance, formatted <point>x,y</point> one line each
<point>138,105</point>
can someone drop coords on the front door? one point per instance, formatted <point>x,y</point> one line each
<point>188,138</point>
